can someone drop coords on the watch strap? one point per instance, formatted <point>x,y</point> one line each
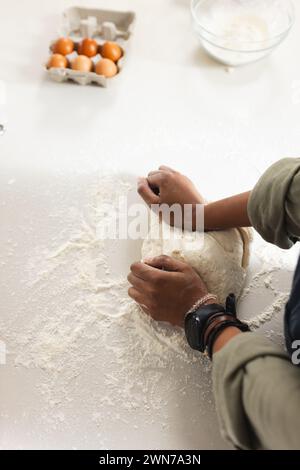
<point>200,329</point>
<point>219,328</point>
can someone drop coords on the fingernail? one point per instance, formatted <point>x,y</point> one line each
<point>147,260</point>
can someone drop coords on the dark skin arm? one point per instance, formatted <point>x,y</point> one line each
<point>167,186</point>
<point>227,213</point>
<point>166,288</point>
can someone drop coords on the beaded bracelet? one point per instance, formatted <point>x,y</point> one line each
<point>202,301</point>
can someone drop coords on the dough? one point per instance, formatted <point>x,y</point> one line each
<point>220,258</point>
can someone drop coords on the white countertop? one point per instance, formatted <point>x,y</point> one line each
<point>171,105</point>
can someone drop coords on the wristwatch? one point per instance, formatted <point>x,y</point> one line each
<point>204,324</point>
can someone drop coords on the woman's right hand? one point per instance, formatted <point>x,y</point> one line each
<point>167,186</point>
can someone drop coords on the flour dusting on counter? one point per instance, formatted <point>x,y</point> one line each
<point>86,315</point>
<point>84,305</point>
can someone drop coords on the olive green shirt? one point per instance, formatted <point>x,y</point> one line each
<point>256,387</point>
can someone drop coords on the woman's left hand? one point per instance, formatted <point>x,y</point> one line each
<point>165,288</point>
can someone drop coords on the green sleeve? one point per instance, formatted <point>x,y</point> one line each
<point>274,204</point>
<point>257,392</point>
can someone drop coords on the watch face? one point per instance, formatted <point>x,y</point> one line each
<point>195,324</point>
<point>192,331</point>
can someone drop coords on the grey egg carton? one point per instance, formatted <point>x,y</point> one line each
<point>101,25</point>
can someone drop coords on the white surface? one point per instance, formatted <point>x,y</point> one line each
<point>171,105</point>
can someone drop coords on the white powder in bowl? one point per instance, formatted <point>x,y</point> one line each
<point>241,26</point>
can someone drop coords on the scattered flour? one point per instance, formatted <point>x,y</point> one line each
<point>269,312</point>
<point>81,315</point>
<point>86,317</point>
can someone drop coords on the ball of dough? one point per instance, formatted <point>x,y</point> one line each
<point>220,258</point>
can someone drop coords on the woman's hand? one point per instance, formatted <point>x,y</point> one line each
<point>170,187</point>
<point>165,288</point>
<point>167,186</point>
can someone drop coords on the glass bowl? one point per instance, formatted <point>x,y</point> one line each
<point>237,32</point>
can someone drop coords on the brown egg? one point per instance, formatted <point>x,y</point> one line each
<point>106,67</point>
<point>63,46</point>
<point>88,47</point>
<point>112,51</point>
<point>57,61</point>
<point>82,63</point>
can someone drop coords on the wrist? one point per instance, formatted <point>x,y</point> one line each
<point>202,301</point>
<point>220,329</point>
<point>206,221</point>
<point>211,301</point>
<point>198,208</point>
<point>224,337</point>
<point>209,327</point>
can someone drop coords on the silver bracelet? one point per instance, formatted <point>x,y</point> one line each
<point>202,301</point>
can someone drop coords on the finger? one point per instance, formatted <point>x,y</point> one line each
<point>145,308</point>
<point>166,263</point>
<point>146,192</point>
<point>167,168</point>
<point>143,271</point>
<point>137,282</point>
<point>136,295</point>
<point>161,172</point>
<point>155,178</point>
<point>138,298</point>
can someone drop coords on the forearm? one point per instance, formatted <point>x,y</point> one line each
<point>227,213</point>
<point>272,207</point>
